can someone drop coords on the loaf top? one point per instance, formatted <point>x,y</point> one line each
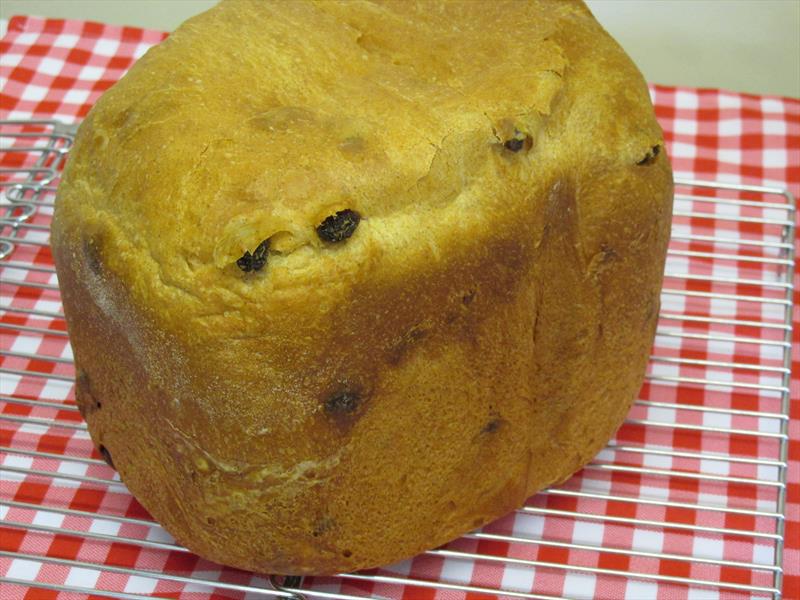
<point>425,118</point>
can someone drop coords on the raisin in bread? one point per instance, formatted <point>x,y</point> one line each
<point>345,280</point>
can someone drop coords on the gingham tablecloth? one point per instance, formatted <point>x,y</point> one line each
<point>57,69</point>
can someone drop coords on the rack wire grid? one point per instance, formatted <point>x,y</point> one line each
<point>702,457</point>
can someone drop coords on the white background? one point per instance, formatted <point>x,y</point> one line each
<point>741,45</point>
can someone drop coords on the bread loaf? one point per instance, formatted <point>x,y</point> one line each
<point>345,280</point>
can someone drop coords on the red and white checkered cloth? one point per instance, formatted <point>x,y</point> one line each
<point>57,69</point>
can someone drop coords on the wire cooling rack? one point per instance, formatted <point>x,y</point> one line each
<point>689,496</point>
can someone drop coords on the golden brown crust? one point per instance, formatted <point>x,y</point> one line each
<point>480,336</point>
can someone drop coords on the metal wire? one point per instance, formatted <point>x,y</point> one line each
<point>31,188</point>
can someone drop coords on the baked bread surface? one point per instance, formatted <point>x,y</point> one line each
<point>479,336</point>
